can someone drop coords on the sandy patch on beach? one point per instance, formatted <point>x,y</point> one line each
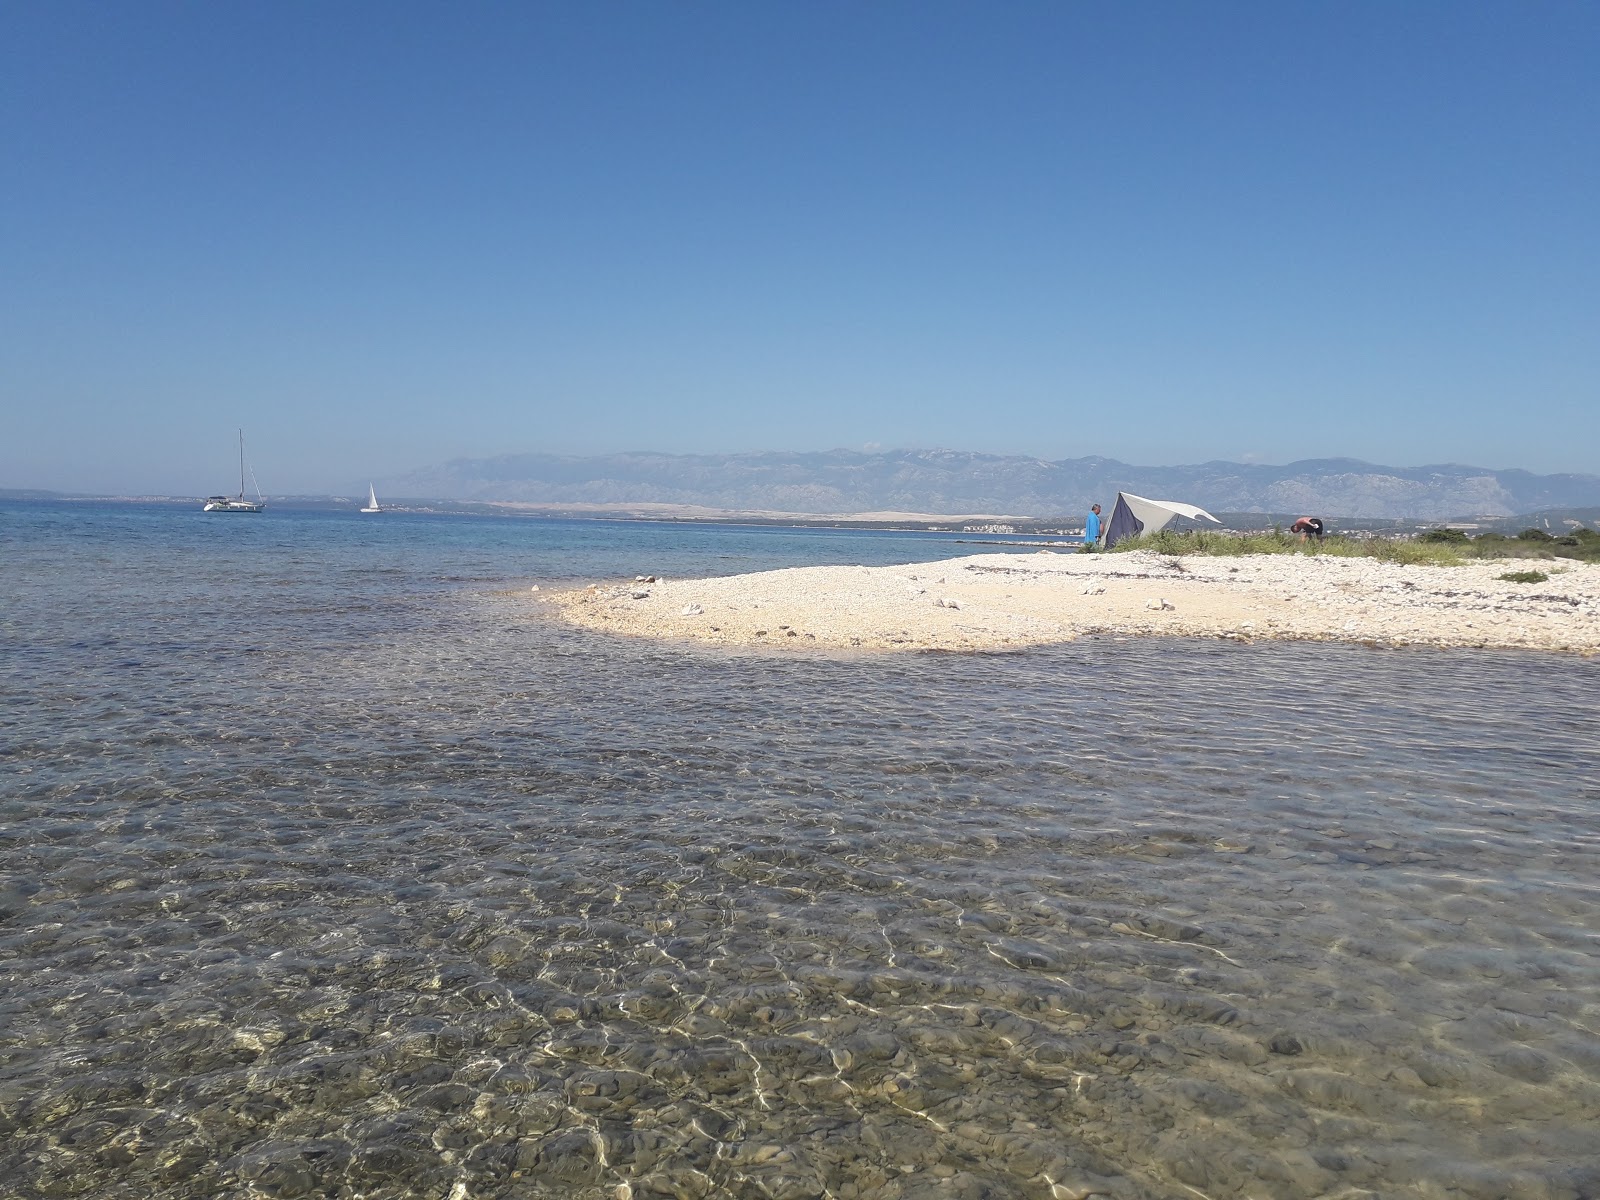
<point>996,601</point>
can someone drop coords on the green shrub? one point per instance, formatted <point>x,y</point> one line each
<point>1453,536</point>
<point>1508,548</point>
<point>1580,544</point>
<point>1524,577</point>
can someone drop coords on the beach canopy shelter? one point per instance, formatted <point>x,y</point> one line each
<point>1134,515</point>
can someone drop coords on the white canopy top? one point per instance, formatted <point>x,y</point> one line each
<point>1135,515</point>
<point>1174,508</point>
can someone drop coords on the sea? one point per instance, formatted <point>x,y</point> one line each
<point>333,865</point>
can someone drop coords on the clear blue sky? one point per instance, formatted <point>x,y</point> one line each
<point>381,235</point>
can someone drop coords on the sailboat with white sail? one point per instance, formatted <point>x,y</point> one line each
<point>372,501</point>
<point>238,503</point>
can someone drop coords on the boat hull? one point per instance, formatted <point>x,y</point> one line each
<point>223,504</point>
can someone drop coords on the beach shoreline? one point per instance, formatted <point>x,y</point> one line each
<point>1013,601</point>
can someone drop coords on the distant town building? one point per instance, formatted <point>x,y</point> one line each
<point>988,529</point>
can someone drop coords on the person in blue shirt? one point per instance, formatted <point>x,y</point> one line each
<point>1091,527</point>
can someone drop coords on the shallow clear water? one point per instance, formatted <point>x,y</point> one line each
<point>329,868</point>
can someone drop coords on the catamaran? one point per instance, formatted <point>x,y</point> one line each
<point>372,500</point>
<point>237,503</point>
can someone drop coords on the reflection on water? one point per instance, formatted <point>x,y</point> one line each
<point>467,906</point>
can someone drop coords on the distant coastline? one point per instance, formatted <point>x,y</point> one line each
<point>839,481</point>
<point>848,486</point>
<point>1059,526</point>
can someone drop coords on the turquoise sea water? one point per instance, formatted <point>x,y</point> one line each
<point>330,867</point>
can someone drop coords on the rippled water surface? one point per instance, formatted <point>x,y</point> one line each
<point>328,867</point>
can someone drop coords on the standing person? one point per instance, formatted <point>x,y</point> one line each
<point>1091,527</point>
<point>1308,526</point>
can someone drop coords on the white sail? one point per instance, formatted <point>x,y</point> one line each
<point>372,500</point>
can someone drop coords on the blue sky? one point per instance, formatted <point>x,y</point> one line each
<point>381,235</point>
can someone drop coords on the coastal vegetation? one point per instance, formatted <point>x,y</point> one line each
<point>1212,542</point>
<point>1581,544</point>
<point>1437,547</point>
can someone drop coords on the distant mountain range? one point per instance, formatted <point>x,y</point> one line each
<point>838,482</point>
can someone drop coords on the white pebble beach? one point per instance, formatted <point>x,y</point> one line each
<point>1006,601</point>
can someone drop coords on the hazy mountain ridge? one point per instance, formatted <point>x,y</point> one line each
<point>951,481</point>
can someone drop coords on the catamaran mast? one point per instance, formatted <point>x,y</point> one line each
<point>241,464</point>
